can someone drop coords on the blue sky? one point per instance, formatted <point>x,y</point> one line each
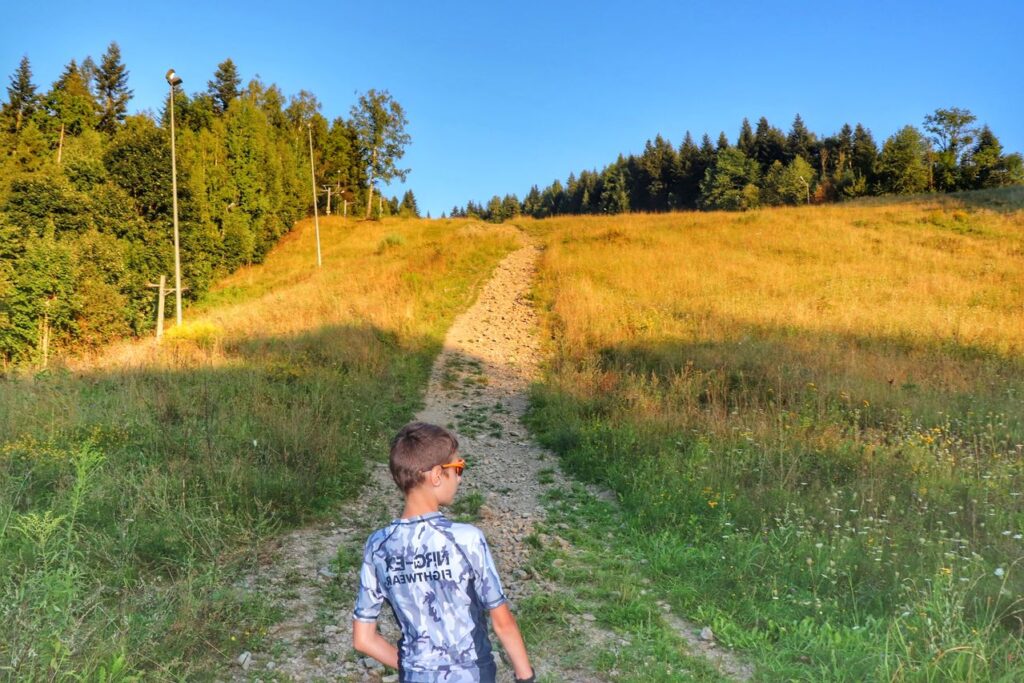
<point>501,96</point>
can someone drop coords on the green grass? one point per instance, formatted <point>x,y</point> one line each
<point>466,507</point>
<point>133,497</point>
<point>601,578</point>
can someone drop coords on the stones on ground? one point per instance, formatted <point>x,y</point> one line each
<point>707,635</point>
<point>244,660</point>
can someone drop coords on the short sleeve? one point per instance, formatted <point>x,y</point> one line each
<point>369,598</point>
<point>487,583</point>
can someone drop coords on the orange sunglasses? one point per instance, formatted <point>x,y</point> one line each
<point>458,466</point>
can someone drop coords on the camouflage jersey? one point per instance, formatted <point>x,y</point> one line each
<point>440,580</point>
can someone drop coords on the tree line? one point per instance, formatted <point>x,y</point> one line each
<point>768,167</point>
<point>86,193</point>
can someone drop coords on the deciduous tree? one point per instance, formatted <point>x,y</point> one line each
<point>379,122</point>
<point>903,164</point>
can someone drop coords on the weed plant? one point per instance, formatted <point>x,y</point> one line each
<point>138,485</point>
<point>815,419</point>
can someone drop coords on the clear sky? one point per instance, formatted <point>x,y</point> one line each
<point>504,95</point>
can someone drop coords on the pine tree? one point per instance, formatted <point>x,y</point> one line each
<point>614,198</point>
<point>510,206</point>
<point>224,86</point>
<point>22,99</point>
<point>723,142</point>
<point>745,141</point>
<point>688,174</point>
<point>112,89</point>
<point>986,166</point>
<point>800,141</point>
<point>769,144</point>
<point>865,153</point>
<point>655,175</point>
<point>408,206</point>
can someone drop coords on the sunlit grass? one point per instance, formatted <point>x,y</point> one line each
<point>817,412</point>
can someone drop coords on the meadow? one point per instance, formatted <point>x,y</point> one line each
<point>138,485</point>
<point>814,420</point>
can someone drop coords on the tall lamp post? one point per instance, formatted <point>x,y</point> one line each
<point>316,214</point>
<point>173,79</point>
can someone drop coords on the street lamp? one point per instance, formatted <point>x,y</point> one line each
<point>172,80</point>
<point>316,214</point>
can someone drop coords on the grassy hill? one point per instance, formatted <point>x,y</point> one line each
<point>135,486</point>
<point>813,417</point>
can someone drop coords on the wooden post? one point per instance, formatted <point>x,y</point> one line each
<point>346,208</point>
<point>44,337</point>
<point>161,297</point>
<point>160,307</point>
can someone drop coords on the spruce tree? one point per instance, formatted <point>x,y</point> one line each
<point>112,89</point>
<point>986,166</point>
<point>800,141</point>
<point>688,174</point>
<point>408,206</point>
<point>865,153</point>
<point>745,141</point>
<point>224,86</point>
<point>769,144</point>
<point>22,99</point>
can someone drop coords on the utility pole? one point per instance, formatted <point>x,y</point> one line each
<point>312,178</point>
<point>173,79</point>
<point>327,189</point>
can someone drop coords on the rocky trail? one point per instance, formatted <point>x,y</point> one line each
<point>478,388</point>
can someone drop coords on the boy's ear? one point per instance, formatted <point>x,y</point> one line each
<point>433,476</point>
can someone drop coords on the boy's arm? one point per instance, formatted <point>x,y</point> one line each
<point>368,640</point>
<point>507,630</point>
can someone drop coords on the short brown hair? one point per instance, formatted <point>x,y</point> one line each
<point>416,448</point>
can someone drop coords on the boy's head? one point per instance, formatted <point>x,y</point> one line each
<point>418,448</point>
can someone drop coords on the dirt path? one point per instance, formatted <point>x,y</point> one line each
<point>478,387</point>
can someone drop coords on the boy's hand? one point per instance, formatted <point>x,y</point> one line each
<point>531,679</point>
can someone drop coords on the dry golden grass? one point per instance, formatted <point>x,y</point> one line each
<point>920,272</point>
<point>374,274</point>
<point>833,290</point>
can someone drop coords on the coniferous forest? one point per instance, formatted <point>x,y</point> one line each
<point>86,192</point>
<point>768,167</point>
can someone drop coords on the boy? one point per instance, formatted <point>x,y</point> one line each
<point>437,575</point>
